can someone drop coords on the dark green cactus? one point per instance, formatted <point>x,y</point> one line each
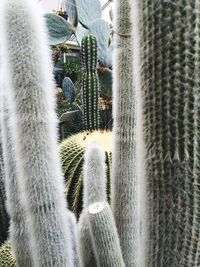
<point>72,158</point>
<point>7,258</point>
<point>90,83</point>
<point>170,68</point>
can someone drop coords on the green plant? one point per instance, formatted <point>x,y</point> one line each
<point>90,83</point>
<point>85,19</point>
<point>156,109</point>
<point>170,84</point>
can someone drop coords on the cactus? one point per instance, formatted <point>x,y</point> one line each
<point>104,236</point>
<point>74,239</point>
<point>33,129</point>
<point>85,242</point>
<point>18,228</point>
<point>72,158</point>
<point>170,82</point>
<point>97,227</point>
<point>124,188</point>
<point>7,258</point>
<point>90,83</point>
<point>94,175</point>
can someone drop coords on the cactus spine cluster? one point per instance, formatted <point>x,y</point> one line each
<point>170,83</point>
<point>90,82</point>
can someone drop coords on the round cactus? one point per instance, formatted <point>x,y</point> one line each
<point>7,258</point>
<point>72,158</point>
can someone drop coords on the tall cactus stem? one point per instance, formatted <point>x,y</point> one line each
<point>18,225</point>
<point>90,83</point>
<point>104,235</point>
<point>26,59</point>
<point>170,83</point>
<point>73,227</point>
<point>85,242</point>
<point>124,187</point>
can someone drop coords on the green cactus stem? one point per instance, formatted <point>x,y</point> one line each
<point>90,83</point>
<point>170,82</point>
<point>125,202</point>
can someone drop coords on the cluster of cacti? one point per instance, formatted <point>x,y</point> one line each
<point>72,158</point>
<point>155,196</point>
<point>84,18</point>
<point>38,185</point>
<point>90,85</point>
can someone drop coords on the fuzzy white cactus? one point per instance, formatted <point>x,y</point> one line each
<point>30,90</point>
<point>18,224</point>
<point>124,183</point>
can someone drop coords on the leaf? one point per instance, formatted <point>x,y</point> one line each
<point>67,116</point>
<point>105,79</point>
<point>101,30</point>
<point>71,9</point>
<point>80,33</point>
<point>59,29</point>
<point>58,75</point>
<point>88,10</point>
<point>68,89</point>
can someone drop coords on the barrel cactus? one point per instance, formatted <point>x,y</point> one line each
<point>72,158</point>
<point>7,258</point>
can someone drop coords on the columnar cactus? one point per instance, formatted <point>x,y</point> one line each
<point>31,104</point>
<point>90,82</point>
<point>97,230</point>
<point>85,242</point>
<point>72,158</point>
<point>18,225</point>
<point>73,227</point>
<point>94,190</point>
<point>104,236</point>
<point>170,81</point>
<point>124,189</point>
